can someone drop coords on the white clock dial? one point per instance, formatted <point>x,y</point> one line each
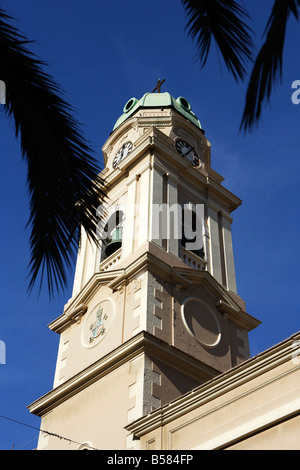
<point>122,153</point>
<point>188,152</point>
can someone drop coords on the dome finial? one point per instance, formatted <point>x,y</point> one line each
<point>158,85</point>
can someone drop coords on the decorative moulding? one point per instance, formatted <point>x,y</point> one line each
<point>142,343</point>
<point>218,386</point>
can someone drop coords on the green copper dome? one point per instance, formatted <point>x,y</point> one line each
<point>158,100</point>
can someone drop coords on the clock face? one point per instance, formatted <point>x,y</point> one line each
<point>122,153</point>
<point>188,152</point>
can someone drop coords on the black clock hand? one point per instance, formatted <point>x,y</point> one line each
<point>191,150</point>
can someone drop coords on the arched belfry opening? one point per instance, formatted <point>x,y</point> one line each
<point>192,230</point>
<point>112,234</point>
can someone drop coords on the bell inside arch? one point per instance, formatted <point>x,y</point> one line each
<point>115,242</point>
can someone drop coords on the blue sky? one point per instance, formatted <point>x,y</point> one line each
<point>102,54</point>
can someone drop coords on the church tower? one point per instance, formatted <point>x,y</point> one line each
<point>155,310</point>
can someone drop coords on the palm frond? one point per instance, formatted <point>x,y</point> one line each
<point>63,175</point>
<point>225,22</point>
<point>267,69</point>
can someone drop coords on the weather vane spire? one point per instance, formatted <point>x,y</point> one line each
<point>158,85</point>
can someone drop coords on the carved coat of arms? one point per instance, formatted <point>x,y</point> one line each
<point>98,327</point>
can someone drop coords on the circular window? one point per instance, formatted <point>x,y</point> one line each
<point>201,322</point>
<point>129,105</point>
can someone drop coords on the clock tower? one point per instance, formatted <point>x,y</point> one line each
<point>154,310</point>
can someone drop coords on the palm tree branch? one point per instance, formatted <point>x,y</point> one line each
<point>267,68</point>
<point>63,179</point>
<point>225,22</point>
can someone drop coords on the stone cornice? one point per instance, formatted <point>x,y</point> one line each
<point>76,307</point>
<point>73,316</point>
<point>218,386</point>
<point>166,266</point>
<point>236,315</point>
<point>142,343</point>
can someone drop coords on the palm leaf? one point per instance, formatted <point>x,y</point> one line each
<point>224,21</point>
<point>63,176</point>
<point>267,68</point>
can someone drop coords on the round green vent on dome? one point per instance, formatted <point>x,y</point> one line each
<point>184,103</point>
<point>129,105</point>
<point>158,101</point>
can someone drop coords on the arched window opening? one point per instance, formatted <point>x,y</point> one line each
<point>113,232</point>
<point>192,235</point>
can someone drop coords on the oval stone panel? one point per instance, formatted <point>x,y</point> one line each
<point>201,322</point>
